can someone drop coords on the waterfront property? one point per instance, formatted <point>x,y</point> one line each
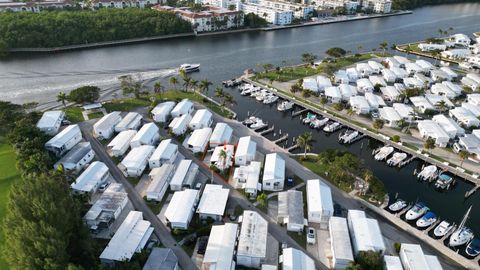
<point>413,258</point>
<point>222,134</point>
<point>201,119</point>
<point>365,233</point>
<point>179,125</point>
<point>33,6</point>
<point>161,112</point>
<point>105,127</point>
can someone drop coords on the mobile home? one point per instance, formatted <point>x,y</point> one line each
<point>183,107</point>
<point>161,112</point>
<point>121,143</point>
<point>201,119</point>
<point>136,161</point>
<point>132,120</point>
<point>64,141</point>
<point>147,135</point>
<point>166,153</point>
<point>105,127</point>
<point>51,122</point>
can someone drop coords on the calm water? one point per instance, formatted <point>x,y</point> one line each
<point>40,76</point>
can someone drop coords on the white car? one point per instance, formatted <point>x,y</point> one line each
<point>311,236</point>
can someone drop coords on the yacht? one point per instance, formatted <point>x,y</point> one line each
<point>310,117</point>
<point>318,123</point>
<point>383,152</point>
<point>444,181</point>
<point>347,136</point>
<point>260,96</point>
<point>398,205</point>
<point>428,219</point>
<point>258,124</point>
<point>332,127</point>
<point>270,99</point>
<point>190,67</point>
<point>250,120</point>
<point>428,173</point>
<point>396,159</point>
<point>462,234</point>
<point>418,210</point>
<point>285,105</point>
<point>442,229</point>
<point>473,249</point>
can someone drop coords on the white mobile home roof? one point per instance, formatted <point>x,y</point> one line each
<point>392,263</point>
<point>360,103</point>
<point>294,259</point>
<point>181,172</point>
<point>473,99</point>
<point>377,80</point>
<point>388,75</point>
<point>425,65</point>
<point>340,239</point>
<point>347,91</point>
<point>164,150</point>
<point>121,142</point>
<point>391,92</point>
<point>253,175</point>
<point>290,204</point>
<point>50,119</point>
<point>433,262</point>
<point>220,247</point>
<point>365,232</point>
<point>252,241</point>
<point>474,109</point>
<point>319,198</point>
<point>108,121</point>
<point>412,82</point>
<point>399,72</point>
<point>274,167</point>
<point>432,129</point>
<point>146,133</point>
<point>131,121</point>
<point>449,125</point>
<point>183,107</point>
<point>389,114</point>
<point>364,68</point>
<point>161,111</point>
<point>449,72</point>
<point>222,134</point>
<point>403,110</point>
<point>180,122</point>
<point>323,82</point>
<point>138,156</point>
<point>442,89</point>
<point>90,177</point>
<point>374,100</point>
<point>160,177</point>
<point>201,119</point>
<point>214,200</point>
<point>110,201</point>
<point>180,207</point>
<point>246,146</point>
<point>333,92</point>
<point>413,258</point>
<point>401,59</point>
<point>200,137</point>
<point>413,68</point>
<point>310,84</point>
<point>473,76</point>
<point>64,136</point>
<point>435,99</point>
<point>375,65</point>
<point>392,62</point>
<point>130,238</point>
<point>464,116</point>
<point>364,85</point>
<point>422,103</point>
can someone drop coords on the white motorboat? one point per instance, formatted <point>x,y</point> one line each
<point>190,67</point>
<point>285,105</point>
<point>444,181</point>
<point>318,123</point>
<point>397,206</point>
<point>442,229</point>
<point>259,124</point>
<point>260,96</point>
<point>396,159</point>
<point>270,99</point>
<point>418,210</point>
<point>383,152</point>
<point>428,219</point>
<point>310,117</point>
<point>428,173</point>
<point>332,127</point>
<point>462,234</point>
<point>349,137</point>
<point>250,120</point>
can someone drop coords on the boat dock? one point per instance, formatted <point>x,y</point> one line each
<point>281,139</point>
<point>405,162</point>
<point>471,191</point>
<point>266,131</point>
<point>293,147</point>
<point>297,113</point>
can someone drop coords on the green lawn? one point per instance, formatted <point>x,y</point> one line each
<point>74,114</point>
<point>8,176</point>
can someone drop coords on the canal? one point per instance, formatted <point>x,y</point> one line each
<point>38,77</point>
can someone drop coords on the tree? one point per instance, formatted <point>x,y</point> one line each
<point>378,124</point>
<point>158,88</point>
<point>383,47</point>
<point>308,58</point>
<point>353,266</point>
<point>262,199</point>
<point>464,154</point>
<point>441,106</point>
<point>429,144</point>
<point>305,141</point>
<point>336,52</point>
<point>84,94</point>
<point>395,138</point>
<point>350,111</point>
<point>194,84</point>
<point>186,82</point>
<point>173,81</point>
<point>219,93</point>
<point>323,101</point>
<point>367,177</point>
<point>62,97</point>
<point>370,260</point>
<point>204,85</point>
<point>296,88</point>
<point>223,157</point>
<point>129,85</point>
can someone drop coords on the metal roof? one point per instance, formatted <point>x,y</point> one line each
<point>163,108</point>
<point>221,134</point>
<point>246,146</point>
<point>274,167</point>
<point>319,197</point>
<point>182,107</point>
<point>164,150</point>
<point>181,172</point>
<point>90,177</point>
<point>213,201</point>
<point>181,205</point>
<point>220,247</point>
<point>290,205</point>
<point>64,136</point>
<point>340,239</point>
<point>146,133</point>
<point>294,259</point>
<point>252,241</point>
<point>50,118</point>
<point>200,137</point>
<point>202,117</point>
<point>76,154</point>
<point>108,121</point>
<point>122,139</point>
<point>161,259</point>
<point>137,156</point>
<point>367,234</point>
<point>129,121</point>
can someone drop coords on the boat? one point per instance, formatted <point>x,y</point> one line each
<point>258,125</point>
<point>383,152</point>
<point>189,67</point>
<point>285,105</point>
<point>442,229</point>
<point>428,219</point>
<point>429,173</point>
<point>347,136</point>
<point>247,90</point>
<point>250,120</point>
<point>270,99</point>
<point>396,159</point>
<point>418,210</point>
<point>232,82</point>
<point>473,249</point>
<point>318,123</point>
<point>310,117</point>
<point>332,127</point>
<point>397,206</point>
<point>462,234</point>
<point>351,137</point>
<point>444,181</point>
<point>260,95</point>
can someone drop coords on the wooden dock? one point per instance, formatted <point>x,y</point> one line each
<point>293,147</point>
<point>297,113</point>
<point>471,191</point>
<point>281,139</point>
<point>403,163</point>
<point>266,131</point>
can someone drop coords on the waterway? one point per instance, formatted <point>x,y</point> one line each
<point>38,77</point>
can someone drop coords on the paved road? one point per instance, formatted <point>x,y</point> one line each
<point>160,230</point>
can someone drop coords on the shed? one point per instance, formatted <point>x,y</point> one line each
<point>198,141</point>
<point>290,210</point>
<point>89,181</point>
<point>294,259</point>
<point>105,127</point>
<point>161,112</point>
<point>64,141</point>
<point>159,182</point>
<point>389,76</point>
<point>347,91</point>
<point>213,202</point>
<point>181,208</point>
<point>364,85</point>
<point>421,103</point>
<point>201,119</point>
<point>390,93</point>
<point>183,107</point>
<point>107,208</point>
<point>51,122</point>
<point>364,232</point>
<point>222,134</point>
<point>161,259</point>
<point>246,150</point>
<point>249,176</point>
<point>405,111</point>
<point>390,116</point>
<point>221,247</point>
<point>130,238</point>
<point>222,163</point>
<point>340,245</point>
<point>77,158</point>
<point>136,161</point>
<point>360,104</point>
<point>185,174</point>
<point>392,263</point>
<point>449,126</point>
<point>120,144</point>
<point>333,94</point>
<point>430,129</point>
<point>319,201</point>
<point>464,117</point>
<point>179,125</point>
<point>252,241</point>
<point>132,120</point>
<point>166,153</point>
<point>147,135</point>
<point>273,172</point>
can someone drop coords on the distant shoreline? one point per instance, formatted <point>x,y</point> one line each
<point>184,35</point>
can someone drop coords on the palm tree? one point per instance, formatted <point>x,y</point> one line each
<point>429,144</point>
<point>378,124</point>
<point>223,157</point>
<point>413,114</point>
<point>383,47</point>
<point>323,101</point>
<point>228,99</point>
<point>350,111</point>
<point>463,155</point>
<point>62,97</point>
<point>305,141</point>
<point>441,105</point>
<point>186,83</point>
<point>367,177</point>
<point>173,81</point>
<point>157,88</point>
<point>219,93</point>
<point>193,84</point>
<point>204,84</point>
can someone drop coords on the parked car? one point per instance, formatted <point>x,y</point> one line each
<point>103,187</point>
<point>311,236</point>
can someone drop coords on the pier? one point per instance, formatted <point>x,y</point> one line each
<point>297,113</point>
<point>266,131</point>
<point>403,163</point>
<point>471,191</point>
<point>281,139</point>
<point>293,147</point>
